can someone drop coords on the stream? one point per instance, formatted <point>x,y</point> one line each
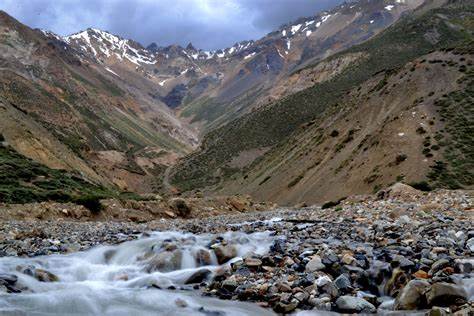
<point>148,276</point>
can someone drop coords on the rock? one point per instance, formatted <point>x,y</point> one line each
<point>397,281</point>
<point>45,276</point>
<point>323,280</point>
<point>283,308</point>
<point>351,304</point>
<point>446,294</point>
<point>315,264</point>
<point>230,284</point>
<point>420,274</point>
<point>438,311</point>
<point>253,262</point>
<point>347,259</point>
<point>203,257</point>
<point>401,191</point>
<point>225,253</point>
<point>343,283</point>
<point>165,261</point>
<point>8,279</point>
<point>412,296</point>
<point>470,245</point>
<point>438,265</point>
<point>198,276</point>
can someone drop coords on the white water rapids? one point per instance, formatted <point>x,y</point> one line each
<point>118,280</point>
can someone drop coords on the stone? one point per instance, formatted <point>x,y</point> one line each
<point>252,262</point>
<point>438,265</point>
<point>284,308</point>
<point>397,281</point>
<point>225,253</point>
<point>412,296</point>
<point>352,304</point>
<point>470,245</point>
<point>420,274</point>
<point>198,276</point>
<point>347,259</point>
<point>203,258</point>
<point>315,264</point>
<point>323,280</point>
<point>165,261</point>
<point>230,284</point>
<point>438,311</point>
<point>343,283</point>
<point>446,294</point>
<point>45,276</point>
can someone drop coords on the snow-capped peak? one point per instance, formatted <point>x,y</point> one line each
<point>102,44</point>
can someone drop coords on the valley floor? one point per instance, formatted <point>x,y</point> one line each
<point>402,249</point>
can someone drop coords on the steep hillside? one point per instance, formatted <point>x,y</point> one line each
<point>22,181</point>
<point>371,121</point>
<point>62,109</point>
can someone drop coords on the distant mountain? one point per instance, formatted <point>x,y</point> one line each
<point>218,86</point>
<point>397,107</point>
<point>121,114</point>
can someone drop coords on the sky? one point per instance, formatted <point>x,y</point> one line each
<point>208,24</point>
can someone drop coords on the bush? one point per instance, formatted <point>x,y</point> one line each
<point>91,202</point>
<point>422,186</point>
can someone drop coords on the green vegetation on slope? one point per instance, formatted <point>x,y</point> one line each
<point>23,181</point>
<point>457,110</point>
<point>393,48</point>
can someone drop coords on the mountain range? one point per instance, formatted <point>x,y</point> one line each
<point>345,101</point>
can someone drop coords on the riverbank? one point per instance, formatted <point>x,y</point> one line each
<point>400,250</point>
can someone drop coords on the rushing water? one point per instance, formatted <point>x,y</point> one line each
<point>124,279</point>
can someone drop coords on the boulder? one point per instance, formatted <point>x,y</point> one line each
<point>412,296</point>
<point>352,304</point>
<point>225,253</point>
<point>446,294</point>
<point>203,257</point>
<point>198,276</point>
<point>165,261</point>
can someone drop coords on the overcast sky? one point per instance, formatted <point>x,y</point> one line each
<point>208,24</point>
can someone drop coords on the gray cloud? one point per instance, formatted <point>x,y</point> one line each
<point>208,24</point>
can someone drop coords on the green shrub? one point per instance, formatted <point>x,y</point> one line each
<point>91,202</point>
<point>422,186</point>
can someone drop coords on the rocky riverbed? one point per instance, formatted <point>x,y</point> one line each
<point>401,250</point>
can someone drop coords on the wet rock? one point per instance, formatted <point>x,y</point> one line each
<point>225,253</point>
<point>165,261</point>
<point>203,257</point>
<point>412,296</point>
<point>198,276</point>
<point>470,245</point>
<point>397,281</point>
<point>315,264</point>
<point>45,276</point>
<point>351,304</point>
<point>8,279</point>
<point>446,294</point>
<point>284,308</point>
